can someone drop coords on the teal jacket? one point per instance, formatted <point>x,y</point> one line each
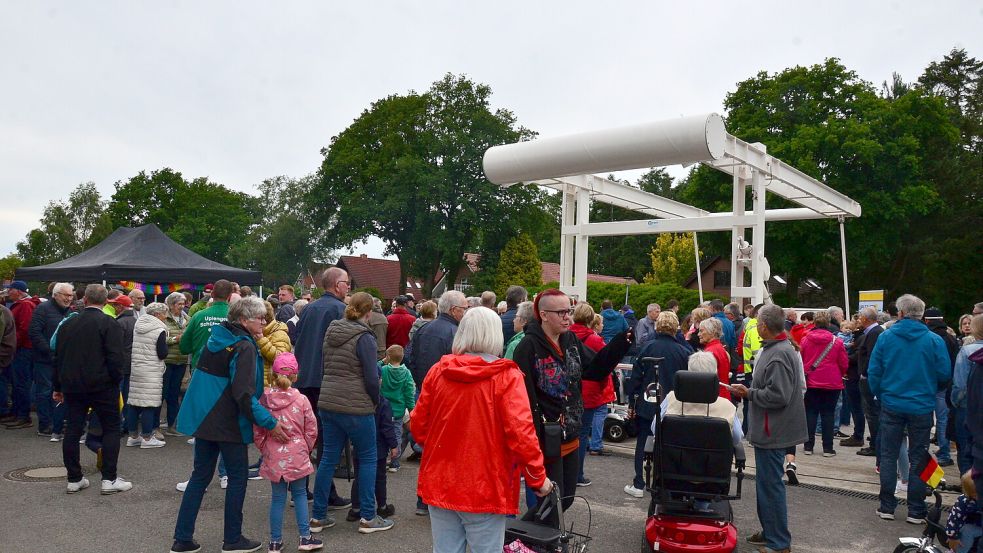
<point>908,366</point>
<point>222,401</point>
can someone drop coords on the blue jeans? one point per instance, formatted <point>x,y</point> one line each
<point>398,431</point>
<point>852,391</point>
<point>23,376</point>
<point>50,416</point>
<point>891,434</point>
<point>360,429</point>
<point>453,530</point>
<point>206,455</point>
<point>644,427</point>
<point>941,420</point>
<point>585,432</point>
<point>771,503</point>
<point>967,535</point>
<point>904,465</point>
<point>145,415</point>
<point>964,440</point>
<point>298,489</point>
<point>173,375</point>
<point>597,428</point>
<point>843,409</point>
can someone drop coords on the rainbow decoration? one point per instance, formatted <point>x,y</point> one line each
<point>161,288</point>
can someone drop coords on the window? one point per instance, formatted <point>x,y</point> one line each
<point>721,279</point>
<point>462,286</point>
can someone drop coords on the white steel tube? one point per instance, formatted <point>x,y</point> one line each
<point>846,285</point>
<point>675,141</point>
<point>699,277</point>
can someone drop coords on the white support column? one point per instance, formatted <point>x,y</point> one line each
<point>846,285</point>
<point>699,277</point>
<point>736,271</point>
<point>567,215</point>
<point>758,251</point>
<point>580,261</point>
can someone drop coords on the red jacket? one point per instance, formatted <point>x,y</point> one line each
<point>400,323</point>
<point>723,364</point>
<point>475,425</point>
<point>800,330</point>
<point>23,310</point>
<point>593,393</point>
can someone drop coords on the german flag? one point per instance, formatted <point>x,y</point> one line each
<point>931,472</point>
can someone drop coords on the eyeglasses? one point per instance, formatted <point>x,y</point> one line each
<point>559,312</point>
<point>344,282</point>
<point>464,307</point>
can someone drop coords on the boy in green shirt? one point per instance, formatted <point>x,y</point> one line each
<point>399,389</point>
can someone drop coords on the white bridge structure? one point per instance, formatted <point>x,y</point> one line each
<point>568,164</point>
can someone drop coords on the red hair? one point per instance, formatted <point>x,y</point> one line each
<point>545,293</point>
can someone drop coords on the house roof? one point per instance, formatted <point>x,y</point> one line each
<point>551,273</point>
<point>381,274</point>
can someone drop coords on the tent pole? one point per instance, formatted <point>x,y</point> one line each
<point>846,286</point>
<point>699,278</point>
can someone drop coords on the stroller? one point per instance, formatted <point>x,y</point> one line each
<point>688,473</point>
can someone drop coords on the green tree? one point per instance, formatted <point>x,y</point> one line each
<point>8,265</point>
<point>673,259</point>
<point>519,264</point>
<point>67,227</point>
<point>408,170</point>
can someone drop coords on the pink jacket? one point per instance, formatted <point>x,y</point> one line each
<point>829,374</point>
<point>292,460</point>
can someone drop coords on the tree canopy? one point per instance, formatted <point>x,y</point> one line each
<point>673,259</point>
<point>67,227</point>
<point>519,264</point>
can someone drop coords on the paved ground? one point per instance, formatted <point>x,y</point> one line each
<point>40,516</point>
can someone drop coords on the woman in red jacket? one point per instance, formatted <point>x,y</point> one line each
<point>596,394</point>
<point>825,362</point>
<point>474,421</point>
<point>710,332</point>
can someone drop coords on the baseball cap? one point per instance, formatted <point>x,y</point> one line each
<point>933,313</point>
<point>18,285</point>
<point>401,300</point>
<point>285,364</point>
<point>125,301</point>
<point>209,287</point>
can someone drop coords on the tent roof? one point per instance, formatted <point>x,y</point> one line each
<point>143,254</point>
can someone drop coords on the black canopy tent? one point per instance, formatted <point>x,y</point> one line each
<point>142,254</point>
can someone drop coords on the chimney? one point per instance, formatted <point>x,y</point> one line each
<point>364,256</point>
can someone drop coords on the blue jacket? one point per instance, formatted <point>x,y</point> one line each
<point>429,344</point>
<point>508,328</point>
<point>676,359</point>
<point>960,377</point>
<point>313,323</point>
<point>908,366</point>
<point>614,324</point>
<point>729,338</point>
<point>222,401</point>
<point>45,320</point>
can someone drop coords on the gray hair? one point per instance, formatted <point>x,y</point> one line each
<point>62,288</point>
<point>480,331</point>
<point>734,309</point>
<point>716,306</point>
<point>869,313</point>
<point>773,317</point>
<point>835,310</point>
<point>173,298</point>
<point>883,317</point>
<point>702,362</point>
<point>448,300</point>
<point>249,307</point>
<point>134,291</point>
<point>652,307</point>
<point>515,295</point>
<point>473,301</point>
<point>299,306</point>
<point>713,326</point>
<point>911,306</point>
<point>96,294</point>
<point>156,308</point>
<point>525,311</point>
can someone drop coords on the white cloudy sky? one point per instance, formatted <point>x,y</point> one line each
<point>240,91</point>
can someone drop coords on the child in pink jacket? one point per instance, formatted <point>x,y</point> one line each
<point>286,465</point>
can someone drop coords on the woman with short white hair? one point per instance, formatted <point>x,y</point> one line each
<point>710,331</point>
<point>523,314</point>
<point>474,420</point>
<point>149,349</point>
<point>176,363</point>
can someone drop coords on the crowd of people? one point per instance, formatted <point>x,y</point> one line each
<point>516,391</point>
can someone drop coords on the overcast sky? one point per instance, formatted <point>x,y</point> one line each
<point>242,91</point>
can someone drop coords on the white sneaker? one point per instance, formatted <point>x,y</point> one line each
<point>223,481</point>
<point>115,486</point>
<point>56,437</point>
<point>191,441</point>
<point>133,441</point>
<point>901,487</point>
<point>158,434</point>
<point>181,486</point>
<point>151,443</point>
<point>75,487</point>
<point>631,490</point>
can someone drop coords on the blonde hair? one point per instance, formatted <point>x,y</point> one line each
<point>976,327</point>
<point>583,314</point>
<point>284,382</point>
<point>597,323</point>
<point>427,309</point>
<point>667,323</point>
<point>698,315</point>
<point>394,355</point>
<point>358,306</point>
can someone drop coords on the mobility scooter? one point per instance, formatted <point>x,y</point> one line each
<point>688,473</point>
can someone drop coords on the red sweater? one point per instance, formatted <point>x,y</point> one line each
<point>723,364</point>
<point>400,323</point>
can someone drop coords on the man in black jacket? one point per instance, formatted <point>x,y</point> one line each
<point>936,323</point>
<point>44,321</point>
<point>870,331</point>
<point>88,371</point>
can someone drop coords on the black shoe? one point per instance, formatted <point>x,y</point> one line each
<point>852,441</point>
<point>793,477</point>
<point>387,510</point>
<point>7,418</point>
<point>840,435</point>
<point>599,452</point>
<point>339,503</point>
<point>244,545</point>
<point>185,547</point>
<point>757,538</point>
<point>46,432</point>
<point>414,456</point>
<point>584,482</point>
<point>19,423</point>
<point>310,495</point>
<point>352,515</point>
<point>946,462</point>
<point>867,452</point>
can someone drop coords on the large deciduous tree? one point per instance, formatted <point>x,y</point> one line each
<point>408,170</point>
<point>673,259</point>
<point>67,227</point>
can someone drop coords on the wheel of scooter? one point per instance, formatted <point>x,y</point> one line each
<point>902,548</point>
<point>614,431</point>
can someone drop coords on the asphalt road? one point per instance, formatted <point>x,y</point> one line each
<point>40,516</point>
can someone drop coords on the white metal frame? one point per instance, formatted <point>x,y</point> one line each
<point>750,165</point>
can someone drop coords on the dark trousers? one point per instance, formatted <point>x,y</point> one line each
<point>820,403</point>
<point>173,375</point>
<point>872,412</point>
<point>380,483</point>
<point>105,405</point>
<point>23,377</point>
<point>853,397</point>
<point>644,427</point>
<point>563,472</point>
<point>236,459</point>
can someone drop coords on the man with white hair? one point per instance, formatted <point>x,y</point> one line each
<point>645,329</point>
<point>836,315</point>
<point>139,300</point>
<point>45,319</point>
<point>908,366</point>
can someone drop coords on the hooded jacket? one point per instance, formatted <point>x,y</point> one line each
<point>555,378</point>
<point>596,393</point>
<point>275,341</point>
<point>44,321</point>
<point>908,366</point>
<point>828,375</point>
<point>288,461</point>
<point>614,324</point>
<point>147,355</point>
<point>23,311</point>
<point>400,323</point>
<point>398,388</point>
<point>960,376</point>
<point>222,401</point>
<point>474,422</point>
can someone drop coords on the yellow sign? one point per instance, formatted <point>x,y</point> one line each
<point>871,298</point>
